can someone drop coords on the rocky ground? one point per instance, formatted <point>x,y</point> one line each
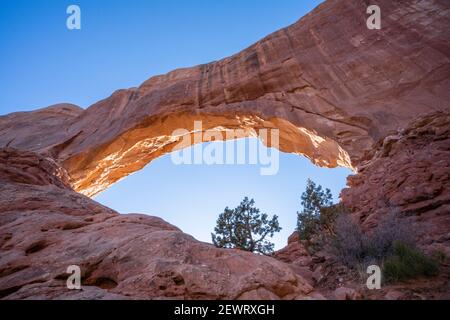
<point>333,280</point>
<point>408,173</point>
<point>45,227</point>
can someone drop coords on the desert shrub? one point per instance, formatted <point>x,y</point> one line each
<point>314,199</point>
<point>408,263</point>
<point>391,229</point>
<point>324,227</point>
<point>439,256</point>
<point>391,245</point>
<point>350,242</point>
<point>307,225</point>
<point>328,215</point>
<point>245,228</point>
<point>353,246</point>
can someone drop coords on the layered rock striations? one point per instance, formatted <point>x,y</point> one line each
<point>45,227</point>
<point>372,100</point>
<point>329,84</point>
<point>407,173</point>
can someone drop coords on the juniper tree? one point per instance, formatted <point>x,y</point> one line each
<point>314,199</point>
<point>245,228</point>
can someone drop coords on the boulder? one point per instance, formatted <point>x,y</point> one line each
<point>343,293</point>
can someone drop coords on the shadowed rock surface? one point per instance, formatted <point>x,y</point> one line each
<point>46,227</point>
<point>340,94</point>
<point>408,174</point>
<point>329,84</point>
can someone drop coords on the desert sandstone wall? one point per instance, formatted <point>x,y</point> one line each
<point>342,95</point>
<point>326,78</point>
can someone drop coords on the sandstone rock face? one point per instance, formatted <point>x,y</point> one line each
<point>329,84</point>
<point>408,173</point>
<point>294,251</point>
<point>46,227</point>
<point>340,94</point>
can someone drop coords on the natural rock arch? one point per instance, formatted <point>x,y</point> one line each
<point>135,148</point>
<point>332,87</point>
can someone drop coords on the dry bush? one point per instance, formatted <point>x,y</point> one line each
<point>391,245</point>
<point>391,229</point>
<point>350,243</point>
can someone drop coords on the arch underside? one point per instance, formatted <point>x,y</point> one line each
<point>137,147</point>
<point>331,86</point>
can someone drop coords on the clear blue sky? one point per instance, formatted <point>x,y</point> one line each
<point>121,44</point>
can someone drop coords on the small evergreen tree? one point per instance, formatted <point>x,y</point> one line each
<point>314,199</point>
<point>245,228</point>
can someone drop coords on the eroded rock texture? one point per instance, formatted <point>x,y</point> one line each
<point>46,227</point>
<point>408,173</point>
<point>332,87</point>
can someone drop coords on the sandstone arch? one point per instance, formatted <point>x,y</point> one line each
<point>325,78</point>
<point>136,147</point>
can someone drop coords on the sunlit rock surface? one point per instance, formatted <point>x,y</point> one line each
<point>332,86</point>
<point>340,94</point>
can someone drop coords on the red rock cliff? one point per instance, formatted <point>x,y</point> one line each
<point>332,87</point>
<point>343,95</point>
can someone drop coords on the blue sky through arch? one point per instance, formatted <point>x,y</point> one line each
<point>120,45</point>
